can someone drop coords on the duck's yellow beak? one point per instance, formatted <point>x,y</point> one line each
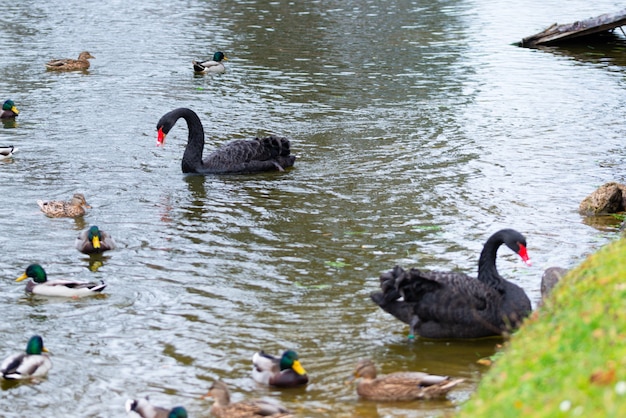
<point>45,350</point>
<point>14,110</point>
<point>22,277</point>
<point>96,242</point>
<point>297,367</point>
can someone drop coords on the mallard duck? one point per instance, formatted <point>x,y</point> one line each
<point>283,371</point>
<point>68,64</point>
<point>67,288</point>
<point>9,110</point>
<point>7,152</point>
<point>94,241</point>
<point>252,408</point>
<point>399,386</point>
<point>31,363</point>
<point>145,409</point>
<point>58,209</point>
<point>213,65</point>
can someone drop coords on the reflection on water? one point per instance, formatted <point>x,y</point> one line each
<point>419,131</point>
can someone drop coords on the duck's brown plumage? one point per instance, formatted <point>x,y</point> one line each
<point>251,408</point>
<point>58,209</point>
<point>68,64</point>
<point>400,386</point>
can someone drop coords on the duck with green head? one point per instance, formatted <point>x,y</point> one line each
<point>31,363</point>
<point>283,371</point>
<point>40,285</point>
<point>94,241</point>
<point>9,111</point>
<point>213,65</point>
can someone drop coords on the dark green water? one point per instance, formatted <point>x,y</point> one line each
<point>419,130</point>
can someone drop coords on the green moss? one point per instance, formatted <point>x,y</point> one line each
<point>569,358</point>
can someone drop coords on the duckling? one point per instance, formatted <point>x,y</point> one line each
<point>400,386</point>
<point>58,209</point>
<point>213,65</point>
<point>252,408</point>
<point>7,152</point>
<point>65,288</point>
<point>68,64</point>
<point>28,364</point>
<point>283,371</point>
<point>94,241</point>
<point>9,110</point>
<point>145,409</point>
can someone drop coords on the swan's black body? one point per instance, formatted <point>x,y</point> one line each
<point>241,156</point>
<point>455,305</point>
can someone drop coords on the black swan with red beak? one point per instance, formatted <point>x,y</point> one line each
<point>271,153</point>
<point>454,305</point>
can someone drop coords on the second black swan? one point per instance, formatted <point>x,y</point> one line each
<point>454,305</point>
<point>241,156</point>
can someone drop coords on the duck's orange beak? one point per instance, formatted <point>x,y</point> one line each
<point>160,138</point>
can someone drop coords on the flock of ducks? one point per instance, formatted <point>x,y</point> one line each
<point>434,304</point>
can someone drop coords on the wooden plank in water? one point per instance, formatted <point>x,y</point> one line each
<point>559,33</point>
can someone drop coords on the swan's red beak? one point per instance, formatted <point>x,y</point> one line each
<point>160,138</point>
<point>524,254</point>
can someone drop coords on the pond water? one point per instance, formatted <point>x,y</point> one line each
<point>419,129</point>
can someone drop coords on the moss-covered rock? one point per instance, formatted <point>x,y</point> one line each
<point>569,357</point>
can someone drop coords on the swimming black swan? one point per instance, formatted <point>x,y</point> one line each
<point>241,156</point>
<point>454,305</point>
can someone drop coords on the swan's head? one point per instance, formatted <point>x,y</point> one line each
<point>516,242</point>
<point>163,128</point>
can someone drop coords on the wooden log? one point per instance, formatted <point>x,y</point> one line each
<point>559,33</point>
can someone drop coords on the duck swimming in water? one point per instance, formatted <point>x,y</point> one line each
<point>31,363</point>
<point>9,111</point>
<point>69,64</point>
<point>213,65</point>
<point>40,285</point>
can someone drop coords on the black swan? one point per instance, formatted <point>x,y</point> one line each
<point>241,156</point>
<point>454,305</point>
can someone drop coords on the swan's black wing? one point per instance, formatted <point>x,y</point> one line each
<point>248,156</point>
<point>441,304</point>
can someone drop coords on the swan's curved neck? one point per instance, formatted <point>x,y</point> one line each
<point>192,158</point>
<point>487,271</point>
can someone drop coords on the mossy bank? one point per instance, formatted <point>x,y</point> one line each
<point>569,358</point>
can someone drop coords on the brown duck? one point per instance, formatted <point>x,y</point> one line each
<point>59,209</point>
<point>251,408</point>
<point>68,64</point>
<point>399,386</point>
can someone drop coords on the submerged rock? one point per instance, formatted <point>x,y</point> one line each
<point>608,198</point>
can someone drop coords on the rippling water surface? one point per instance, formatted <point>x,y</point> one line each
<point>419,128</point>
